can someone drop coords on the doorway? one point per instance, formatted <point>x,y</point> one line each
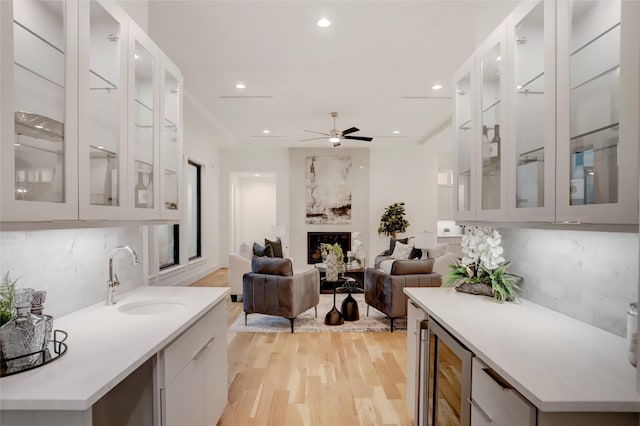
<point>253,207</point>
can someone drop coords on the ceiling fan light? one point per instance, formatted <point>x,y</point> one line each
<point>334,140</point>
<point>337,144</point>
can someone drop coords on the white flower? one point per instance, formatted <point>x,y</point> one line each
<point>482,245</point>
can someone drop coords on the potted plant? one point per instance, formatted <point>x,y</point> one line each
<point>334,259</point>
<point>482,269</point>
<point>393,220</point>
<point>7,290</point>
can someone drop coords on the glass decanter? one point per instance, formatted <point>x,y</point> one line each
<point>25,334</point>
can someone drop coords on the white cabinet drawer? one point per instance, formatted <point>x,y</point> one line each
<point>194,341</point>
<point>501,403</point>
<point>478,418</point>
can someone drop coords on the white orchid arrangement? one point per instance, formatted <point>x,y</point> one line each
<point>483,263</point>
<point>356,244</point>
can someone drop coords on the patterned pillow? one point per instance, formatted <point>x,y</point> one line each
<point>393,241</point>
<point>401,251</point>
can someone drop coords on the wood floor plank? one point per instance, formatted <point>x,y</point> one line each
<point>313,379</point>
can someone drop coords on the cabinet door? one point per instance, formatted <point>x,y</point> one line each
<point>214,362</point>
<point>103,111</point>
<point>184,403</point>
<point>171,141</point>
<point>465,129</point>
<point>597,131</point>
<point>531,116</point>
<point>143,147</point>
<point>491,181</point>
<point>39,113</point>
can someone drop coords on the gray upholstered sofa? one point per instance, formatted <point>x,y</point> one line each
<point>272,288</point>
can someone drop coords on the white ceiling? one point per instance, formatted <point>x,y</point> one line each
<point>374,54</point>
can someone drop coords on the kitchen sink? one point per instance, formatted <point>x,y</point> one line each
<point>152,307</point>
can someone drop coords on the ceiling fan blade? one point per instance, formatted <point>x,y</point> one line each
<point>359,138</point>
<point>312,139</point>
<point>351,130</point>
<point>320,133</point>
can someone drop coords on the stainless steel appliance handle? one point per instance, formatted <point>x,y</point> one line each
<point>481,411</point>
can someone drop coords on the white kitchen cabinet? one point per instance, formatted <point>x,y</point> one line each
<point>103,111</point>
<point>495,402</point>
<point>465,129</point>
<point>82,105</point>
<point>532,112</point>
<point>598,107</point>
<point>491,145</point>
<point>39,123</point>
<point>561,80</point>
<point>194,381</point>
<point>415,315</point>
<point>170,140</point>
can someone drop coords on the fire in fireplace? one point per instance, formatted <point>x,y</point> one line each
<point>314,239</point>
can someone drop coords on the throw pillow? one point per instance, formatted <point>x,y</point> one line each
<point>415,253</point>
<point>245,251</point>
<point>272,266</point>
<point>412,267</point>
<point>262,251</point>
<point>393,241</point>
<point>275,245</point>
<point>401,251</point>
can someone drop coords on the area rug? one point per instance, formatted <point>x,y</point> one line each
<point>308,323</point>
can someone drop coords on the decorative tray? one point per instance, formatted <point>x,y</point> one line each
<point>54,350</point>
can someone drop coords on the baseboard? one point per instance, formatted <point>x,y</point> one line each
<point>188,276</point>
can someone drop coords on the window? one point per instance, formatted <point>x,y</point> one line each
<point>168,245</point>
<point>194,206</point>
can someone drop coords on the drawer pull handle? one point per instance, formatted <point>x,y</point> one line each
<point>204,348</point>
<point>481,411</point>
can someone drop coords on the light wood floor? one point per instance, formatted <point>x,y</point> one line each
<point>333,379</point>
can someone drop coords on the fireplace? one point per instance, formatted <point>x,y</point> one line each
<point>314,239</point>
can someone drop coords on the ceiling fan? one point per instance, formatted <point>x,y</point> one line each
<point>335,136</point>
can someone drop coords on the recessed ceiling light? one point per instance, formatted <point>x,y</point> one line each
<point>396,132</point>
<point>240,86</point>
<point>257,175</point>
<point>266,131</point>
<point>499,58</point>
<point>135,56</point>
<point>323,23</point>
<point>436,86</point>
<point>519,86</point>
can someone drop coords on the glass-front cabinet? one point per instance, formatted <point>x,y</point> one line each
<point>597,146</point>
<point>491,144</point>
<point>531,96</point>
<point>39,110</point>
<point>464,122</point>
<point>103,111</point>
<point>143,125</point>
<point>171,140</point>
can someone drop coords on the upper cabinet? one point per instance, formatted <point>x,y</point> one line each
<point>82,107</point>
<point>597,131</point>
<point>39,63</point>
<point>464,129</point>
<point>557,107</point>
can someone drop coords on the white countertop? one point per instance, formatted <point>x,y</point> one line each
<point>104,347</point>
<point>558,363</point>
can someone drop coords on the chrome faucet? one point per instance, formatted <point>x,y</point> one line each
<point>112,284</point>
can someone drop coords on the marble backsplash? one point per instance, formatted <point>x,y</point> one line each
<point>71,264</point>
<point>590,276</point>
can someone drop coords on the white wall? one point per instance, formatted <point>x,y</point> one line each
<point>138,10</point>
<point>71,265</point>
<point>590,276</point>
<point>255,208</point>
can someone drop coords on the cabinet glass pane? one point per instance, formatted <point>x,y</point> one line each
<point>464,141</point>
<point>529,109</point>
<point>491,120</point>
<point>104,107</point>
<point>449,386</point>
<point>143,127</point>
<point>170,151</point>
<point>39,71</point>
<point>595,101</point>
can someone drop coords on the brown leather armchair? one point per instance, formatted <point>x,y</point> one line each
<point>383,290</point>
<point>271,288</point>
